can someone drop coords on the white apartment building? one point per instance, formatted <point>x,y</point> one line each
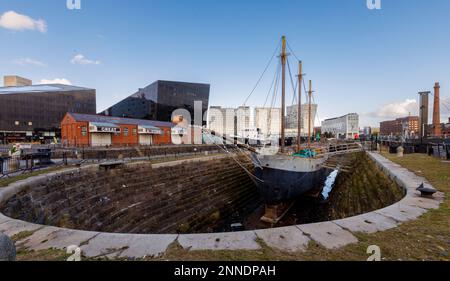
<point>222,120</point>
<point>243,121</point>
<point>268,121</point>
<point>292,118</point>
<point>344,127</point>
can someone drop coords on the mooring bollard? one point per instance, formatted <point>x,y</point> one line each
<point>400,151</point>
<point>7,248</point>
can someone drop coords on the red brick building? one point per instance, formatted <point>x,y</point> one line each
<point>97,130</point>
<point>399,126</point>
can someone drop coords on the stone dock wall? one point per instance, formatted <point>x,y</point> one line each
<point>174,197</point>
<point>133,152</point>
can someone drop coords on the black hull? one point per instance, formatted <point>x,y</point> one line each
<point>280,186</point>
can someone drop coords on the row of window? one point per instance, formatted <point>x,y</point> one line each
<point>17,123</point>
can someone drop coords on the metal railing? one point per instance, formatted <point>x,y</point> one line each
<point>9,165</point>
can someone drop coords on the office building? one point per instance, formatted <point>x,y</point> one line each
<point>407,127</point>
<point>222,120</point>
<point>344,127</point>
<point>159,100</point>
<point>292,118</point>
<point>268,121</point>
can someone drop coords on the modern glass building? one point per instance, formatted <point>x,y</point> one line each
<point>34,113</point>
<point>159,100</point>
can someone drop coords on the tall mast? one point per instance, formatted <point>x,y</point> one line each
<point>299,111</point>
<point>309,113</point>
<point>283,93</point>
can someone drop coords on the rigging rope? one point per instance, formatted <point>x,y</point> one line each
<point>294,88</point>
<point>233,157</point>
<point>264,72</point>
<point>273,83</point>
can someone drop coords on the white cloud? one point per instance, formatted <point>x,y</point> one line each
<point>397,109</point>
<point>28,61</point>
<point>82,60</point>
<point>63,81</point>
<point>17,22</point>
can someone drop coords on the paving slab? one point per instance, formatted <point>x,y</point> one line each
<point>289,239</point>
<point>56,238</point>
<point>13,227</point>
<point>245,240</point>
<point>328,234</point>
<point>127,245</point>
<point>414,200</point>
<point>402,213</point>
<point>367,223</point>
<point>4,218</point>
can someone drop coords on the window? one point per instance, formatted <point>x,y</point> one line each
<point>125,132</point>
<point>30,123</point>
<point>134,131</point>
<point>17,123</point>
<point>84,131</point>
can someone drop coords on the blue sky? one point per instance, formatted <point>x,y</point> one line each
<point>372,62</point>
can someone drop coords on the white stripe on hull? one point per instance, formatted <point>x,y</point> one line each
<point>291,163</point>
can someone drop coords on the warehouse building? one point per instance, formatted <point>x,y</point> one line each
<point>98,130</point>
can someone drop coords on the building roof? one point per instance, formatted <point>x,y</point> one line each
<point>44,88</point>
<point>335,118</point>
<point>119,120</point>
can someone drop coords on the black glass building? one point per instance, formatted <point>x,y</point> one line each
<point>34,113</point>
<point>159,100</point>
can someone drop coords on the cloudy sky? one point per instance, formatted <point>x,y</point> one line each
<point>372,62</point>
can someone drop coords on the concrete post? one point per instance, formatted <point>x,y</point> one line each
<point>400,151</point>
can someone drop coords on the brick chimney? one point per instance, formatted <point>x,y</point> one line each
<point>437,129</point>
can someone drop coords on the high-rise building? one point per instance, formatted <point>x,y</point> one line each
<point>344,127</point>
<point>222,120</point>
<point>268,121</point>
<point>292,118</point>
<point>161,99</point>
<point>34,113</point>
<point>243,121</point>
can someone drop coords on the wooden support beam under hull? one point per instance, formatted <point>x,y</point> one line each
<point>274,213</point>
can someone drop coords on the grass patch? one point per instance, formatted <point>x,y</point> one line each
<point>22,235</point>
<point>43,255</point>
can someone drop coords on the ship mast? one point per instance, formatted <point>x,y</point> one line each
<point>309,113</point>
<point>299,111</point>
<point>283,93</point>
